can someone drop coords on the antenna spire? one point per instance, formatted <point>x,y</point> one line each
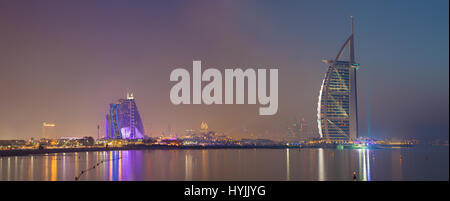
<point>351,47</point>
<point>351,21</point>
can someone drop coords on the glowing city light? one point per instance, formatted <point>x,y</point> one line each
<point>45,124</point>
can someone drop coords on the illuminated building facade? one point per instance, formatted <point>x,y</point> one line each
<point>337,113</point>
<point>204,127</point>
<point>45,130</point>
<point>123,120</point>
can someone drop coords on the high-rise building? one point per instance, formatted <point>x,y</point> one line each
<point>337,110</point>
<point>298,129</point>
<point>46,130</point>
<point>204,127</point>
<point>123,120</point>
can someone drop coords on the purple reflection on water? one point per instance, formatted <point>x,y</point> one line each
<point>415,163</point>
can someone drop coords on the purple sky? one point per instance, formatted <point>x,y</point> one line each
<point>65,61</point>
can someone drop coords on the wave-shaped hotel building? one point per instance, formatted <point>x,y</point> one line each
<point>123,120</point>
<point>337,110</point>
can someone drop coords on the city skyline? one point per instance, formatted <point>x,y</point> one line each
<point>64,62</point>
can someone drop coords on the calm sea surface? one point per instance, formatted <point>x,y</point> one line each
<point>414,163</point>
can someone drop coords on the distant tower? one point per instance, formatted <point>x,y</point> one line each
<point>298,129</point>
<point>169,129</point>
<point>204,127</point>
<point>303,128</point>
<point>337,111</point>
<point>123,120</point>
<point>46,125</point>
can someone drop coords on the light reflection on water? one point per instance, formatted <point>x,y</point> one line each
<point>321,165</point>
<point>364,164</point>
<point>416,163</point>
<point>288,173</point>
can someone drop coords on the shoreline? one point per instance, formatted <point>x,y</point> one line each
<point>26,152</point>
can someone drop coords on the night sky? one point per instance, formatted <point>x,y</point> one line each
<point>65,61</point>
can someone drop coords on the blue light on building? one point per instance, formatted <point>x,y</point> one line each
<point>123,120</point>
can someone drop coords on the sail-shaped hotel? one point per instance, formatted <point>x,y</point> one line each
<point>337,110</point>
